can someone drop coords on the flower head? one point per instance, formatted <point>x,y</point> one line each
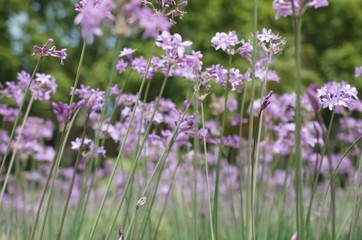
<point>226,41</point>
<point>335,94</point>
<point>91,15</point>
<point>52,51</point>
<point>358,72</point>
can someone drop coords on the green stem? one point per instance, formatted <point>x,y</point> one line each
<point>118,160</point>
<point>241,170</point>
<point>249,199</point>
<point>298,126</point>
<point>223,121</point>
<point>73,179</point>
<point>315,182</point>
<point>53,173</point>
<point>78,72</point>
<point>207,173</point>
<point>160,164</point>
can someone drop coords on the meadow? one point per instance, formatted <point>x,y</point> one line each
<point>161,140</point>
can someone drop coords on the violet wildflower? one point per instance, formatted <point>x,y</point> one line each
<point>173,46</point>
<point>217,72</point>
<point>335,94</point>
<point>284,8</point>
<point>227,42</point>
<point>91,15</point>
<point>152,23</point>
<point>266,101</point>
<point>52,51</point>
<point>9,114</point>
<point>127,52</point>
<point>358,72</point>
<point>64,112</point>
<point>121,66</point>
<point>140,65</point>
<point>237,79</point>
<point>43,86</point>
<point>271,43</point>
<point>94,100</point>
<point>245,49</point>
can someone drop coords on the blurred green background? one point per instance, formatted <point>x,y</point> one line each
<point>331,49</point>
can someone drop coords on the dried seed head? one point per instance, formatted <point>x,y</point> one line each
<point>141,202</point>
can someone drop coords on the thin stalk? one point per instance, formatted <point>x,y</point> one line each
<point>44,192</point>
<point>217,179</point>
<point>73,179</point>
<point>195,189</point>
<point>118,160</point>
<point>78,71</point>
<point>16,147</point>
<point>249,215</point>
<point>358,202</point>
<point>53,173</point>
<point>207,173</point>
<point>241,148</point>
<point>254,170</point>
<point>165,204</point>
<point>297,21</point>
<point>315,182</point>
<point>159,164</point>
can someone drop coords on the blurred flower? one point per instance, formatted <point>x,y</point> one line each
<point>284,8</point>
<point>173,46</point>
<point>358,72</point>
<point>91,15</point>
<point>45,52</point>
<point>42,86</point>
<point>226,42</point>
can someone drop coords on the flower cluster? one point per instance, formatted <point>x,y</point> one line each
<point>42,87</point>
<point>91,15</point>
<point>51,52</point>
<point>334,94</point>
<point>151,22</point>
<point>284,8</point>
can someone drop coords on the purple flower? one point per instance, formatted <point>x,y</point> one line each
<point>91,14</point>
<point>64,112</point>
<point>93,98</point>
<point>226,42</point>
<point>152,23</point>
<point>121,66</point>
<point>335,94</point>
<point>318,3</point>
<point>217,72</point>
<point>173,46</point>
<point>285,8</point>
<point>358,72</point>
<point>9,114</point>
<point>127,52</point>
<point>266,100</point>
<point>43,86</point>
<point>237,79</point>
<point>140,65</point>
<point>45,52</point>
<point>245,49</point>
